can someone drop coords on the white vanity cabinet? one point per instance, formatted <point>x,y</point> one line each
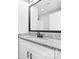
<point>26,53</point>
<point>35,55</point>
<point>39,54</point>
<point>30,50</point>
<point>57,54</point>
<point>23,51</point>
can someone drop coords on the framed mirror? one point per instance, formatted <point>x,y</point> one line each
<point>44,16</point>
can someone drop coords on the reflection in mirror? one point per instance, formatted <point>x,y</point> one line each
<point>45,15</point>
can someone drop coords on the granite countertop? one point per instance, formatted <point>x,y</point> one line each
<point>52,43</point>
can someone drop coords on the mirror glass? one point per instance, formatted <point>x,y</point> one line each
<point>45,15</point>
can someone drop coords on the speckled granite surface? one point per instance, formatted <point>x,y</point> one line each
<point>47,41</point>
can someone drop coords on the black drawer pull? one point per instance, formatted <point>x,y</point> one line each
<point>27,54</point>
<point>30,55</point>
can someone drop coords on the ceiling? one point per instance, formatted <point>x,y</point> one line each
<point>48,6</point>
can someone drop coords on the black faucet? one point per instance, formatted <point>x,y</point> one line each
<point>39,35</point>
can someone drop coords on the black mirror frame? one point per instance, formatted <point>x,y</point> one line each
<point>29,24</point>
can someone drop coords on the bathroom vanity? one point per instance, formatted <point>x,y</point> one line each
<point>31,47</point>
<point>43,17</point>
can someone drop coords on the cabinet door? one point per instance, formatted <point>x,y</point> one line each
<point>35,51</point>
<point>34,55</point>
<point>40,54</point>
<point>23,51</point>
<point>57,54</point>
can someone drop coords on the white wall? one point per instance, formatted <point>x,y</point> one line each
<point>55,21</point>
<point>22,17</point>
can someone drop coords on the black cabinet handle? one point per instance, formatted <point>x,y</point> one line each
<point>27,54</point>
<point>30,55</point>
